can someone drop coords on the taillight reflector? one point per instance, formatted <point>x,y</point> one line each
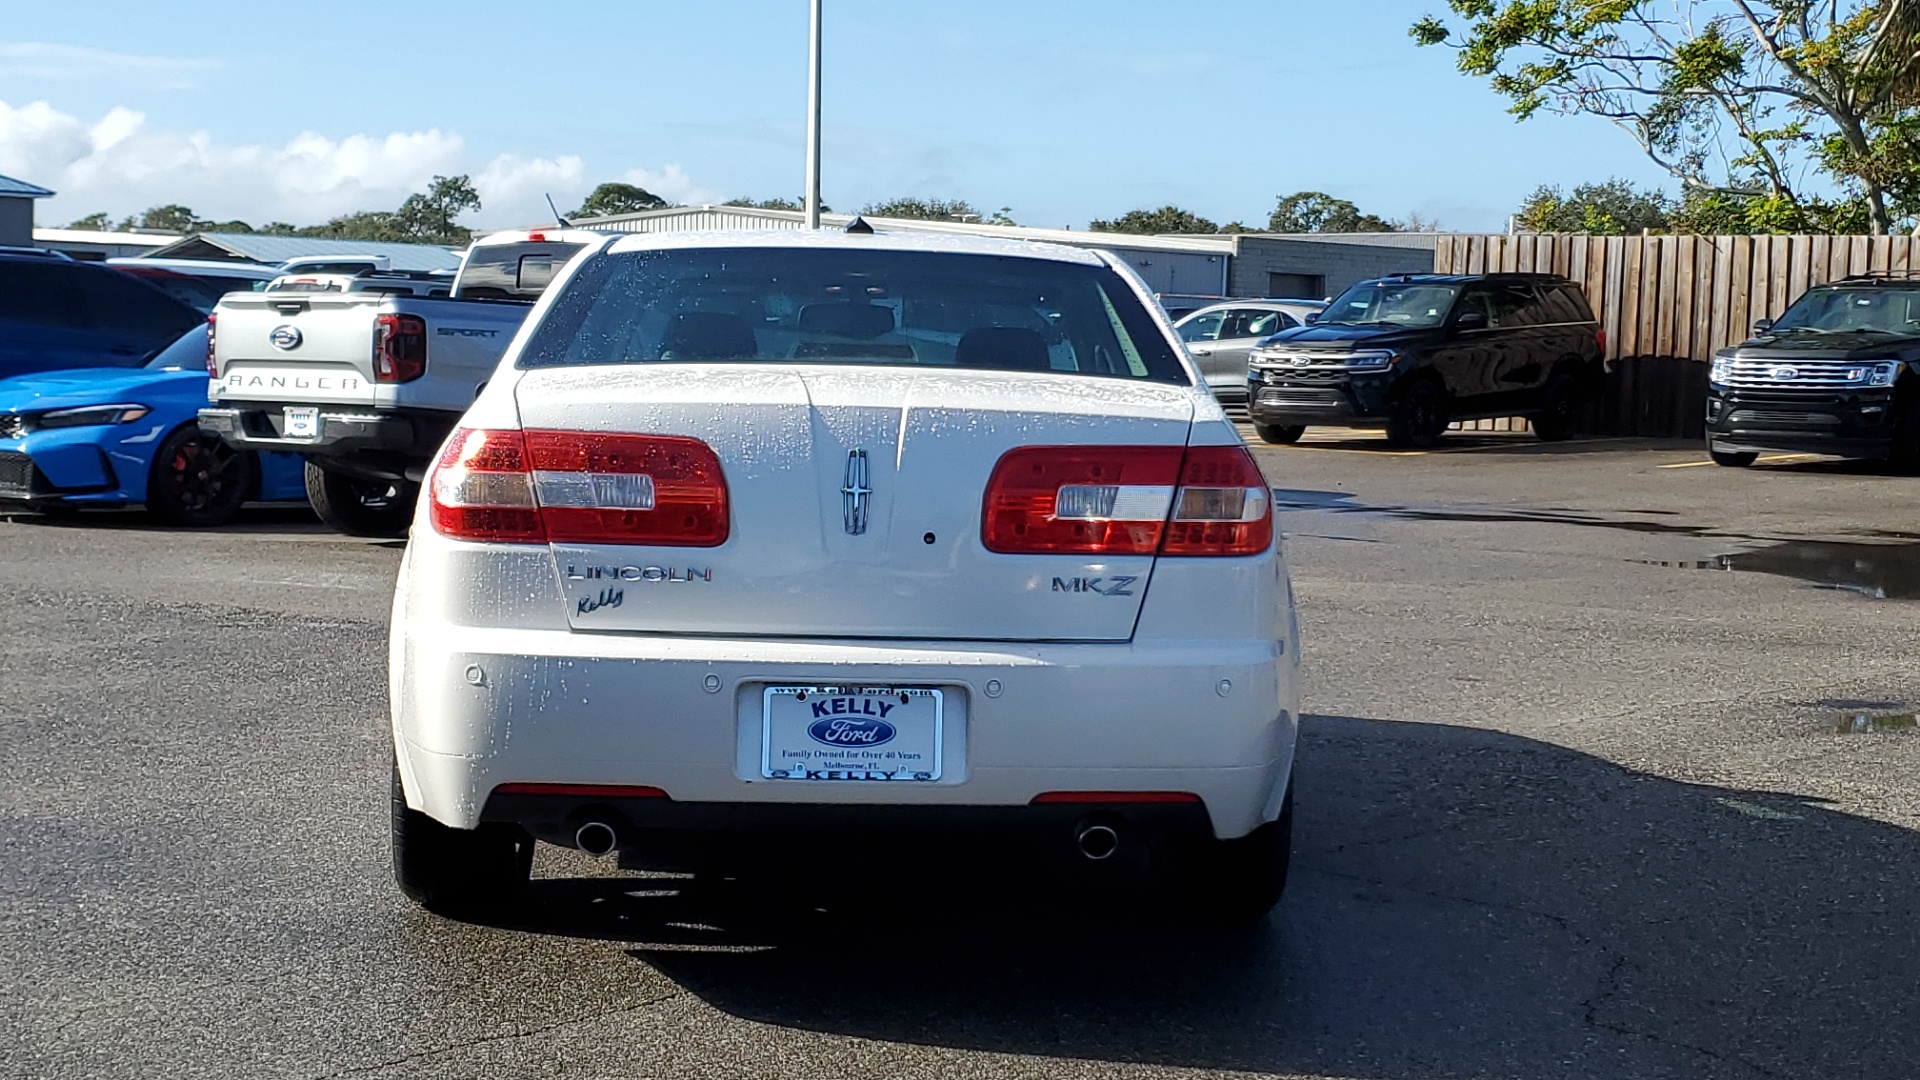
<point>579,487</point>
<point>584,791</point>
<point>1115,797</point>
<point>1127,500</point>
<point>399,348</point>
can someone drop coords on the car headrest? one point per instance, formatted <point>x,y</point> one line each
<point>708,335</point>
<point>846,320</point>
<point>1005,348</point>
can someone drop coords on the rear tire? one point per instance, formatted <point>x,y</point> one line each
<point>1733,460</point>
<point>1242,879</point>
<point>197,480</point>
<point>1417,418</point>
<point>1280,434</point>
<point>361,507</point>
<point>457,871</point>
<point>1559,416</point>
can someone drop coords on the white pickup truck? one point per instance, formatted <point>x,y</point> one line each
<point>366,384</point>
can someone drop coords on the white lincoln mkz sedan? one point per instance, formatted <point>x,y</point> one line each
<point>759,536</point>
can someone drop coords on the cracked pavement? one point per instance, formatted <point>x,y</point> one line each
<point>1569,805</point>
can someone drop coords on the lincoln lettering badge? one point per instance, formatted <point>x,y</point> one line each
<point>855,493</point>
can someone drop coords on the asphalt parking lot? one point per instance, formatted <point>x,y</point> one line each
<point>1609,772</point>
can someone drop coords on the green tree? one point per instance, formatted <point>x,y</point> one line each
<point>92,223</point>
<point>771,204</point>
<point>428,216</point>
<point>1318,212</point>
<point>1167,219</point>
<point>618,198</point>
<point>1613,208</point>
<point>365,225</point>
<point>169,218</point>
<point>1746,100</point>
<point>924,210</point>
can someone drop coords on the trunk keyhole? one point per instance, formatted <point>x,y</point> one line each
<point>927,539</point>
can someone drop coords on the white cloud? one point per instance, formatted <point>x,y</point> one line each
<point>47,60</point>
<point>672,184</point>
<point>120,165</point>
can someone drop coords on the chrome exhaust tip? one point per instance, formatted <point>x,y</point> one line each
<point>1097,842</point>
<point>596,838</point>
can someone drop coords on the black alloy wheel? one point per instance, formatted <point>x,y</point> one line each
<point>1418,417</point>
<point>1560,409</point>
<point>197,480</point>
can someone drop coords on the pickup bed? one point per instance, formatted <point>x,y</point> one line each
<point>367,384</point>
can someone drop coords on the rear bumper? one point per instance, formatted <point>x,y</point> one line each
<point>475,708</point>
<point>661,833</point>
<point>383,444</point>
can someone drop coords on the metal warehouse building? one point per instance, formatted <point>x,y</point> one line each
<point>1191,267</point>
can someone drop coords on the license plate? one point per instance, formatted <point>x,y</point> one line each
<point>851,733</point>
<point>303,423</point>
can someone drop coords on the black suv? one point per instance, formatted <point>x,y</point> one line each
<point>1839,373</point>
<point>1415,352</point>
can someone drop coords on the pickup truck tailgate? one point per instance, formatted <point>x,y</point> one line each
<point>295,348</point>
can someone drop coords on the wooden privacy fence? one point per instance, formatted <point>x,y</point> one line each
<point>1668,302</point>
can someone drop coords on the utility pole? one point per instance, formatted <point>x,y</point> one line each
<point>813,123</point>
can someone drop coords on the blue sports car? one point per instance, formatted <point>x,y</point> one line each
<point>98,437</point>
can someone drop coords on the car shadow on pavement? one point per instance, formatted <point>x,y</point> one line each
<point>1464,903</point>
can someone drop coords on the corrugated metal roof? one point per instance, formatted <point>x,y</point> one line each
<point>710,218</point>
<point>262,248</point>
<point>10,186</point>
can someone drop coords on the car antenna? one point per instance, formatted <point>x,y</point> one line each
<point>859,225</point>
<point>564,223</point>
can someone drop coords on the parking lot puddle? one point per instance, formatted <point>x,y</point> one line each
<point>1860,723</point>
<point>1877,571</point>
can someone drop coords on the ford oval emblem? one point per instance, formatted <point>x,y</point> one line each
<point>851,731</point>
<point>284,337</point>
<point>1785,374</point>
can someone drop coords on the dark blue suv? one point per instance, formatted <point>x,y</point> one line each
<point>56,313</point>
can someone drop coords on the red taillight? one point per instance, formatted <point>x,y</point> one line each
<point>1600,339</point>
<point>536,238</point>
<point>482,489</point>
<point>1063,500</point>
<point>1223,506</point>
<point>1127,500</point>
<point>213,318</point>
<point>399,348</point>
<point>579,487</point>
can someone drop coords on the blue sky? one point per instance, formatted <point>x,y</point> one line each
<point>1064,110</point>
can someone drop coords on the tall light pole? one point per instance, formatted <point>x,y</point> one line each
<point>813,123</point>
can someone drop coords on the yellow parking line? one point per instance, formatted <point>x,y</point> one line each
<point>1770,459</point>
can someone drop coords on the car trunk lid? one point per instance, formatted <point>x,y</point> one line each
<point>855,497</point>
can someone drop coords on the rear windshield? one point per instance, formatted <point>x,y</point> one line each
<point>513,271</point>
<point>891,308</point>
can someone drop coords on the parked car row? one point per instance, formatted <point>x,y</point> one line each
<point>1411,353</point>
<point>103,372</point>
